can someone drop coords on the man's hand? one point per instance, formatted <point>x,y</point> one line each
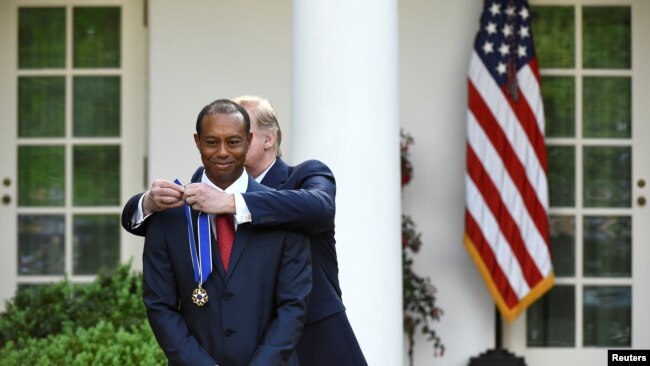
<point>202,197</point>
<point>163,194</point>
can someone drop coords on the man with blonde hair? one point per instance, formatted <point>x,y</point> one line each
<point>304,202</point>
<point>267,128</point>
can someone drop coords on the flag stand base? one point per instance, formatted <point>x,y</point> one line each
<point>497,357</point>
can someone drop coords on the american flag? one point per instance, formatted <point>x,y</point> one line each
<point>506,213</point>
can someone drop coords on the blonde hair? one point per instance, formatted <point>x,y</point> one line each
<point>265,117</point>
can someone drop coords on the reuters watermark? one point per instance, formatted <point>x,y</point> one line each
<point>628,357</point>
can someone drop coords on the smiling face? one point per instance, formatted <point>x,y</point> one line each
<point>223,145</point>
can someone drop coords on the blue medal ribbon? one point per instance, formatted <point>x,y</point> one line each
<point>201,261</point>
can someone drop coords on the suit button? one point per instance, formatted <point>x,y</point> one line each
<point>229,332</point>
<point>227,295</point>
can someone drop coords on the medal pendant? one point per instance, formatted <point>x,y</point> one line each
<point>199,296</point>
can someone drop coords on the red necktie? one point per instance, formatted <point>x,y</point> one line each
<point>225,237</point>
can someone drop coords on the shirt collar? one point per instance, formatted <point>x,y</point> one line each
<point>259,178</point>
<point>239,186</point>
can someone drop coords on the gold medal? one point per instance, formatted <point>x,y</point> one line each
<point>199,296</point>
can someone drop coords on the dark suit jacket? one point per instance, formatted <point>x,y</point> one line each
<point>304,202</point>
<point>255,312</point>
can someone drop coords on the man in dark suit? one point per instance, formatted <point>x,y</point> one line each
<point>303,202</point>
<point>243,303</point>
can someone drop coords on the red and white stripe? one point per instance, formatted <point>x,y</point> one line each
<point>507,230</point>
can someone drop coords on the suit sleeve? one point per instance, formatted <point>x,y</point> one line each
<point>128,212</point>
<point>160,296</point>
<point>308,209</point>
<point>293,288</point>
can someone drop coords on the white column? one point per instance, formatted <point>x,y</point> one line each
<point>345,113</point>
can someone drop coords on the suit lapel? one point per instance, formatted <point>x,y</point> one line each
<point>242,238</point>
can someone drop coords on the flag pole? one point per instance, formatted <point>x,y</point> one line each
<point>502,68</point>
<point>498,329</point>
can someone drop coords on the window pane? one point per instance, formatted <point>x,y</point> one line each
<point>607,246</point>
<point>607,176</point>
<point>96,243</point>
<point>558,94</point>
<point>607,316</point>
<point>563,239</point>
<point>41,172</point>
<point>97,37</point>
<point>553,28</point>
<point>41,38</point>
<point>41,106</point>
<point>607,105</point>
<point>96,175</point>
<point>96,106</point>
<point>41,244</point>
<point>606,36</point>
<point>561,175</point>
<point>551,320</point>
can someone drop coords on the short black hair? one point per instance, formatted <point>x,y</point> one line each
<point>224,106</point>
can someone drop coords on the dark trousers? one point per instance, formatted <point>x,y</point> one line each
<point>328,342</point>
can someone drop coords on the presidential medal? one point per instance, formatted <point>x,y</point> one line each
<point>199,296</point>
<point>201,258</point>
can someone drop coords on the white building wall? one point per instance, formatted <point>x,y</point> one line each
<point>436,38</point>
<point>215,49</point>
<point>203,50</point>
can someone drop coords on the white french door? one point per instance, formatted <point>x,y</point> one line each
<point>72,112</point>
<point>595,81</point>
